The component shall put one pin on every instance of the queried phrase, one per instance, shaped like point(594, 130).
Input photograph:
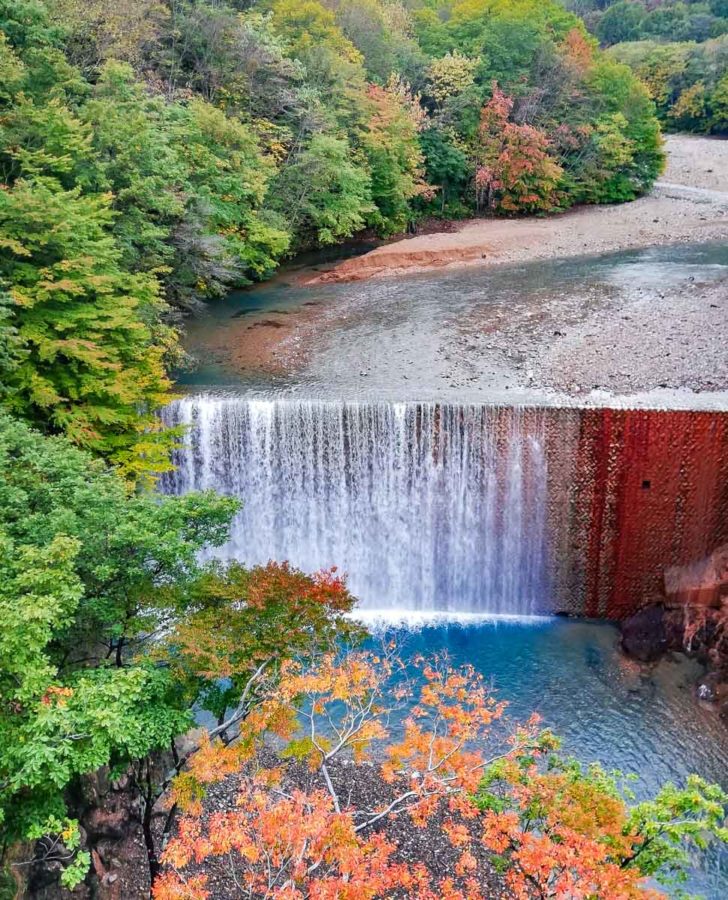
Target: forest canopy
point(678, 49)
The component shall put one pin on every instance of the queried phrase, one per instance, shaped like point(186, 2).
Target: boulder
point(643, 634)
point(107, 823)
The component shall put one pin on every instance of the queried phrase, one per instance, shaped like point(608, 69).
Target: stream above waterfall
point(636, 327)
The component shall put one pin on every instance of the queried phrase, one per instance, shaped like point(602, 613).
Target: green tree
point(333, 65)
point(621, 22)
point(620, 94)
point(682, 78)
point(228, 178)
point(325, 193)
point(719, 107)
point(138, 163)
point(446, 165)
point(390, 141)
point(113, 631)
point(364, 24)
point(84, 566)
point(93, 363)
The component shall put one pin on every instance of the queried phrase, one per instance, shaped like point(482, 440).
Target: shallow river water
point(501, 334)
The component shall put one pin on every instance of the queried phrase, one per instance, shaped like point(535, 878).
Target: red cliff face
point(647, 491)
point(701, 584)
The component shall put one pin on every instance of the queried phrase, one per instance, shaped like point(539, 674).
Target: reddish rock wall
point(648, 490)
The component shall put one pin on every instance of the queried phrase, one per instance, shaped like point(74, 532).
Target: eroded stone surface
point(702, 583)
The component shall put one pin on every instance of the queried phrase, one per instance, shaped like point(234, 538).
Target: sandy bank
point(690, 203)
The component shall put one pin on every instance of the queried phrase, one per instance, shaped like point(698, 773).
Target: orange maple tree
point(515, 171)
point(495, 790)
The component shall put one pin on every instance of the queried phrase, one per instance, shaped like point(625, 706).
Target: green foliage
point(87, 569)
point(621, 22)
point(382, 34)
point(685, 80)
point(227, 178)
point(67, 834)
point(446, 165)
point(323, 193)
point(91, 362)
point(113, 631)
point(677, 821)
point(618, 21)
point(679, 49)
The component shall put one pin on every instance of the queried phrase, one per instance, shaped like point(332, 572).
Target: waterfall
point(425, 506)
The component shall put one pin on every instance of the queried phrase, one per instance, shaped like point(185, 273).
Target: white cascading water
point(427, 507)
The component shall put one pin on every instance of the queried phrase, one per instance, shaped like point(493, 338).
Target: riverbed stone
point(643, 634)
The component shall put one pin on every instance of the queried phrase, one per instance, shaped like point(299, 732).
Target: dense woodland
point(155, 154)
point(678, 49)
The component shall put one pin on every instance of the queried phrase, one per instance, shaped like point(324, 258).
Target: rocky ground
point(364, 789)
point(693, 619)
point(689, 203)
point(582, 344)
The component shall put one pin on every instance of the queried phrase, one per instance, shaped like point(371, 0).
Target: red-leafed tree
point(514, 170)
point(495, 791)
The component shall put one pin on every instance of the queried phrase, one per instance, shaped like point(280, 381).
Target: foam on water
point(412, 620)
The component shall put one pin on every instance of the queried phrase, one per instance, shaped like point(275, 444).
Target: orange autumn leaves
point(457, 767)
point(515, 171)
point(286, 846)
point(250, 615)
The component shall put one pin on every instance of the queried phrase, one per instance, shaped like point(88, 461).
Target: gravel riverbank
point(688, 204)
point(576, 326)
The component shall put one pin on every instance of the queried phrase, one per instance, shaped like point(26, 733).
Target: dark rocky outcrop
point(110, 814)
point(643, 634)
point(693, 619)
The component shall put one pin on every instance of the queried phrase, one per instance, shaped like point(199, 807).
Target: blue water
point(605, 707)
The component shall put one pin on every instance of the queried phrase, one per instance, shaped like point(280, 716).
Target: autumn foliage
point(455, 763)
point(515, 172)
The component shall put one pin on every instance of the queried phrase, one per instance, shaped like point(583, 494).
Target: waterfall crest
point(427, 507)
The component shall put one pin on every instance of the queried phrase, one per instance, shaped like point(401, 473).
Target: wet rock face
point(698, 629)
point(703, 584)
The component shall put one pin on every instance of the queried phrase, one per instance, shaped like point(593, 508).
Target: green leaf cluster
point(679, 48)
point(688, 82)
point(115, 634)
point(88, 574)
